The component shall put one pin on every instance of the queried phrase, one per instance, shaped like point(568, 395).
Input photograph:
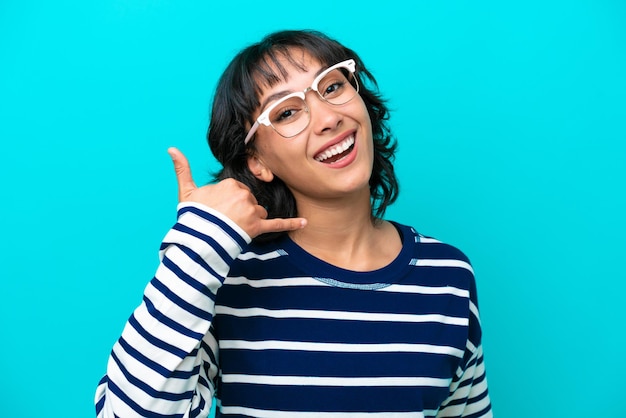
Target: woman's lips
point(335, 152)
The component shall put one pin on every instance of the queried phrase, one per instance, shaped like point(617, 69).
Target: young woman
point(282, 292)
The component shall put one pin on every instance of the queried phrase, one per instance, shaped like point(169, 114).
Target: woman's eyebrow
point(273, 97)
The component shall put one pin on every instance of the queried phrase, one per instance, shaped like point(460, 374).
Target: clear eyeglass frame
point(264, 117)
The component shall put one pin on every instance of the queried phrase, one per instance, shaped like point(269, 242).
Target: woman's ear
point(259, 169)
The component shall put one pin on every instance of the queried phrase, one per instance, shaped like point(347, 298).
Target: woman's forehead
point(281, 68)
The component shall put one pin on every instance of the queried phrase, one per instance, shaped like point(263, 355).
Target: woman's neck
point(346, 235)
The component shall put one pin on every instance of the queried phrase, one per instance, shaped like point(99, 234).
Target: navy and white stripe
point(289, 335)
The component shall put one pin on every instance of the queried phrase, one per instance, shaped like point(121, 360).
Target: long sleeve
point(469, 395)
point(163, 365)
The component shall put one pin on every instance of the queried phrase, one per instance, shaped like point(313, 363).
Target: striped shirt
point(291, 336)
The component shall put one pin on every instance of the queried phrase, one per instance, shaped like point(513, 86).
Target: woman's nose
point(324, 116)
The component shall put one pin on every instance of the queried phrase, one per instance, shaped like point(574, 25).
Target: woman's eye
point(333, 88)
point(284, 115)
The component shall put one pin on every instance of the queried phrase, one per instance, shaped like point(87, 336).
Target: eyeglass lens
point(291, 116)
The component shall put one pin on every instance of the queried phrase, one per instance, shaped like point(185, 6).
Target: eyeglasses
point(290, 115)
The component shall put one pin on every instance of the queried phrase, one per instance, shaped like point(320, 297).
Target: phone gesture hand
point(230, 197)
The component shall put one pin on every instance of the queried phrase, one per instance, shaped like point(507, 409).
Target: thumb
point(183, 173)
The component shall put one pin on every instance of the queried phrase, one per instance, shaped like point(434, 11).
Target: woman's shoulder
point(430, 247)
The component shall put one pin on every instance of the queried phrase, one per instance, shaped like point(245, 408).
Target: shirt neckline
point(340, 277)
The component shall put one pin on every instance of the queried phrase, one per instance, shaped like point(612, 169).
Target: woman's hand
point(230, 197)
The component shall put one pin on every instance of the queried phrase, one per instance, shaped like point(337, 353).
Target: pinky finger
point(283, 225)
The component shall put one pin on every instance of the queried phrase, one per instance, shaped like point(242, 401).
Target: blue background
point(511, 121)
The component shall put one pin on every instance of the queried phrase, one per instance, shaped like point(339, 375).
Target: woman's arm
point(163, 363)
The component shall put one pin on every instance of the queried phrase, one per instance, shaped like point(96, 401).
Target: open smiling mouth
point(337, 152)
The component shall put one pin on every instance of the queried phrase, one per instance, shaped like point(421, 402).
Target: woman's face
point(304, 162)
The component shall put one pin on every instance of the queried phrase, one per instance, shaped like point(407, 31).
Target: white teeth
point(336, 149)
